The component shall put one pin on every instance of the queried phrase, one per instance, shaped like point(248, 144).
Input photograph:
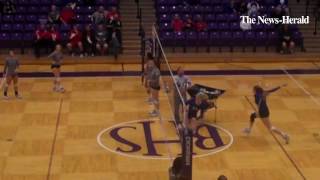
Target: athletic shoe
point(287, 138)
point(6, 97)
point(81, 55)
point(246, 131)
point(19, 96)
point(154, 113)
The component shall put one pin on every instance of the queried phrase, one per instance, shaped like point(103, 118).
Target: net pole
point(186, 135)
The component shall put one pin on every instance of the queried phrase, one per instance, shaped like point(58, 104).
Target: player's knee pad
point(273, 128)
point(253, 116)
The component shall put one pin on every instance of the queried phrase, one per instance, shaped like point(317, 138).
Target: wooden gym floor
point(48, 136)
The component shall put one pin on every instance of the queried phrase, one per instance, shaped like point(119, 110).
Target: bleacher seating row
point(17, 30)
point(223, 25)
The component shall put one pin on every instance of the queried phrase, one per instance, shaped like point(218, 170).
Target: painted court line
point(53, 147)
point(301, 87)
point(102, 145)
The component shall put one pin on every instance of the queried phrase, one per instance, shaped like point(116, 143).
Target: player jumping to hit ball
point(263, 111)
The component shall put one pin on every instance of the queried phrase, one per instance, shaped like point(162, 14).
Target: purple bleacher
point(4, 37)
point(19, 18)
point(33, 10)
point(197, 9)
point(223, 23)
point(210, 17)
point(165, 27)
point(191, 38)
point(235, 26)
point(179, 38)
point(16, 36)
point(7, 18)
point(21, 10)
point(223, 26)
point(165, 18)
point(5, 27)
point(17, 28)
point(45, 2)
point(258, 27)
point(212, 26)
point(186, 16)
point(221, 17)
point(112, 2)
point(250, 38)
point(30, 27)
point(237, 38)
point(273, 38)
point(166, 38)
point(205, 2)
point(261, 38)
point(28, 36)
point(202, 38)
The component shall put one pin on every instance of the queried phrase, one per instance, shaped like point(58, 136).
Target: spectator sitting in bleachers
point(9, 7)
point(55, 37)
point(240, 6)
point(113, 14)
point(278, 12)
point(117, 29)
point(177, 24)
point(67, 14)
point(99, 17)
point(287, 40)
point(88, 41)
point(113, 24)
point(253, 9)
point(54, 15)
point(101, 39)
point(189, 25)
point(42, 40)
point(115, 45)
point(75, 38)
point(200, 24)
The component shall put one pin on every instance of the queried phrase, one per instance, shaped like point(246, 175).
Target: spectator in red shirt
point(113, 14)
point(75, 41)
point(189, 25)
point(42, 40)
point(55, 37)
point(68, 15)
point(177, 24)
point(200, 25)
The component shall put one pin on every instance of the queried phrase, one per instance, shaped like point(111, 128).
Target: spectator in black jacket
point(287, 40)
point(88, 41)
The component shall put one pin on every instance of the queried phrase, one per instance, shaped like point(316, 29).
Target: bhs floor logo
point(147, 139)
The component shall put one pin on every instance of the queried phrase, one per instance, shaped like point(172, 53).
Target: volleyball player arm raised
point(267, 92)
